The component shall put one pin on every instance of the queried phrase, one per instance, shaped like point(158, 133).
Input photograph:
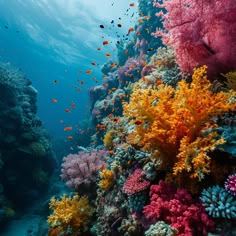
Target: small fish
point(105, 84)
point(119, 25)
point(105, 42)
point(131, 4)
point(130, 30)
point(82, 82)
point(67, 110)
point(113, 65)
point(126, 51)
point(68, 128)
point(111, 152)
point(150, 49)
point(159, 82)
point(88, 71)
point(102, 26)
point(138, 122)
point(93, 63)
point(70, 137)
point(55, 81)
point(98, 49)
point(54, 100)
point(102, 167)
point(107, 54)
point(116, 119)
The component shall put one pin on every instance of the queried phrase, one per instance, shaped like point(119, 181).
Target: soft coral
point(201, 33)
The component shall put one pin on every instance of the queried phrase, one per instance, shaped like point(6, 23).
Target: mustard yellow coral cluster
point(70, 212)
point(172, 120)
point(107, 179)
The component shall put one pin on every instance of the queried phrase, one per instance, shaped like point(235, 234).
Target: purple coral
point(135, 183)
point(201, 32)
point(230, 184)
point(81, 168)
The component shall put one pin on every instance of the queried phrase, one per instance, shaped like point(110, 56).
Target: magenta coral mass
point(230, 184)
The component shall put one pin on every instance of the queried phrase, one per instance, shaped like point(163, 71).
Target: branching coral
point(169, 119)
point(70, 213)
point(177, 208)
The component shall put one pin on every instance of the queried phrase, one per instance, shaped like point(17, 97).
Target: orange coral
point(169, 118)
point(69, 213)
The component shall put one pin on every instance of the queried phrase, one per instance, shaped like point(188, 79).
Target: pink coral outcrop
point(135, 183)
point(201, 33)
point(81, 168)
point(177, 208)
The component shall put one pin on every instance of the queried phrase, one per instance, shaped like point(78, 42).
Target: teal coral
point(219, 203)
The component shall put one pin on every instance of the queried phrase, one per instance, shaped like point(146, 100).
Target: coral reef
point(26, 157)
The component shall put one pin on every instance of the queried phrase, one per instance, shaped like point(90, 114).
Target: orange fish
point(159, 82)
point(98, 49)
point(107, 54)
point(105, 84)
point(112, 89)
point(131, 4)
point(144, 79)
point(102, 167)
point(68, 128)
point(93, 63)
point(111, 152)
point(130, 30)
point(88, 71)
point(126, 51)
point(67, 110)
point(105, 42)
point(113, 65)
point(70, 137)
point(54, 100)
point(116, 119)
point(138, 122)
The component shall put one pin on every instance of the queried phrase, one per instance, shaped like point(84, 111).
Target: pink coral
point(201, 33)
point(177, 208)
point(230, 184)
point(135, 183)
point(81, 168)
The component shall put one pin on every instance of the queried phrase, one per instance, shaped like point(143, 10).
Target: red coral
point(177, 208)
point(201, 33)
point(135, 183)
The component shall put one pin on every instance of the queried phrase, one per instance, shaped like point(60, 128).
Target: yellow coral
point(70, 212)
point(193, 156)
point(107, 179)
point(108, 139)
point(231, 79)
point(166, 117)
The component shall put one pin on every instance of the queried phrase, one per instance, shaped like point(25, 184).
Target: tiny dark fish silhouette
point(102, 26)
point(6, 27)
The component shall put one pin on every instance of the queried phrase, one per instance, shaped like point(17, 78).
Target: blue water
point(52, 40)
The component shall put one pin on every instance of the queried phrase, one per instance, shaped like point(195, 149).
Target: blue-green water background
point(53, 40)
